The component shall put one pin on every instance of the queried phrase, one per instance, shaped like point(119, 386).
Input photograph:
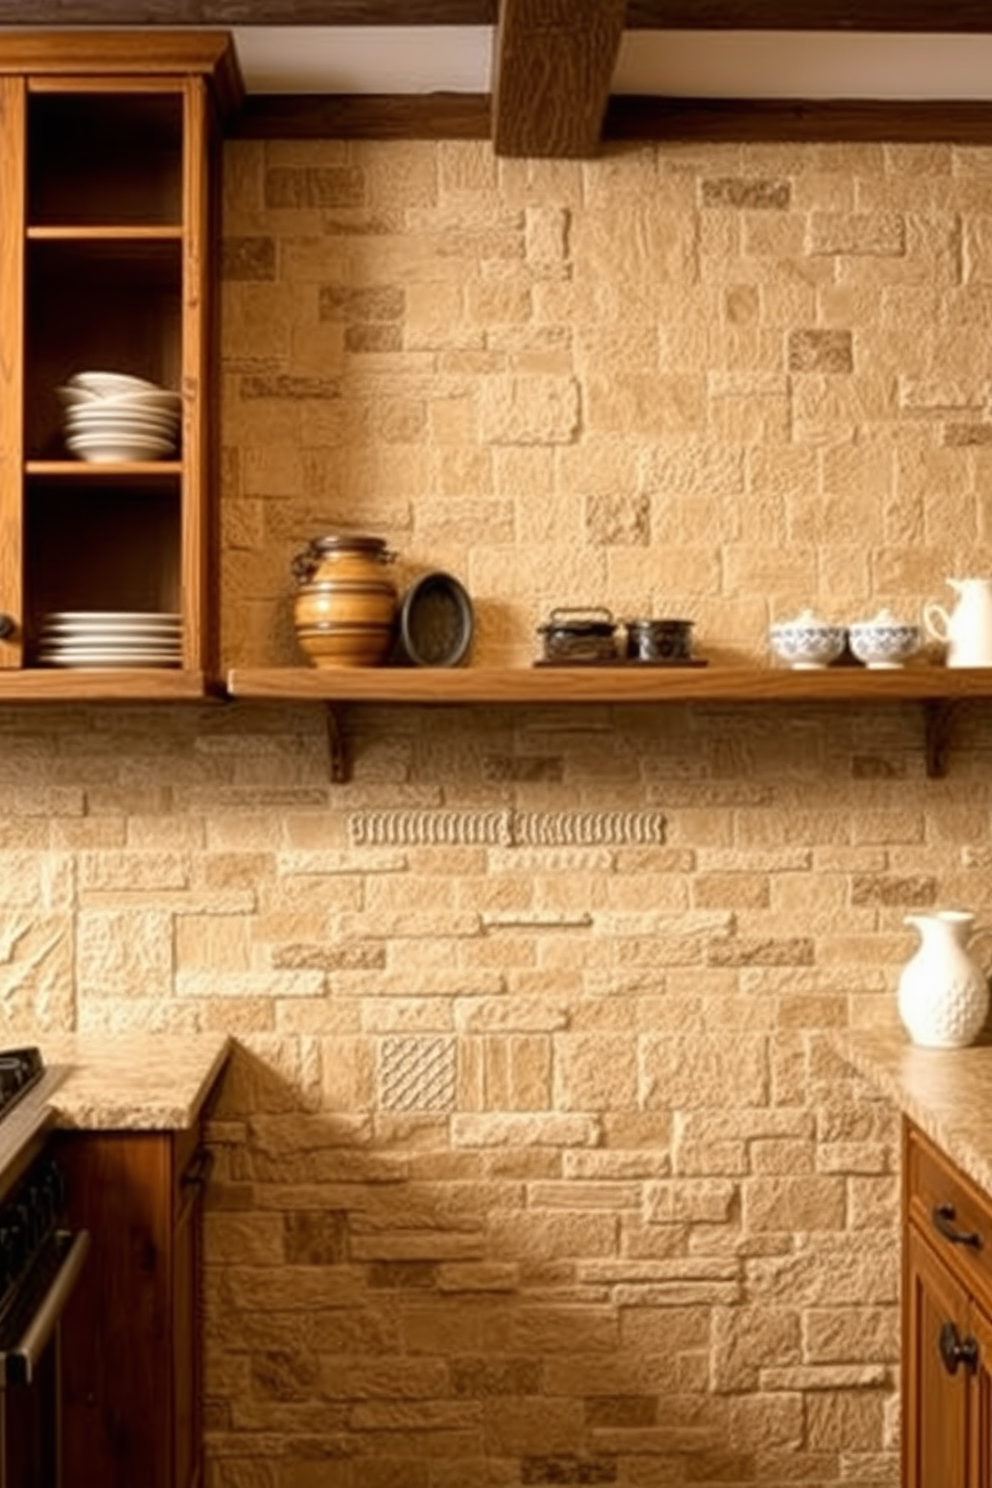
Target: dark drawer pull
point(955, 1350)
point(943, 1218)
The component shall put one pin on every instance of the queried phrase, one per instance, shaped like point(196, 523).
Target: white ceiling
point(719, 64)
point(675, 64)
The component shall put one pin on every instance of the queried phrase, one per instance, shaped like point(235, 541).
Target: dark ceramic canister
point(579, 635)
point(659, 640)
point(436, 622)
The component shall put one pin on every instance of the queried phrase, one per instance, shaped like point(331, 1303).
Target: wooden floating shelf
point(599, 684)
point(938, 689)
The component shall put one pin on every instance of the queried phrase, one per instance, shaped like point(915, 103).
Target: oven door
point(30, 1387)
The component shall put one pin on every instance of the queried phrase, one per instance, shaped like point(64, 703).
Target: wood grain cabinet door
point(980, 1414)
point(938, 1377)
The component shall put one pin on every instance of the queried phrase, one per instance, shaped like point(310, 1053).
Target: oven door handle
point(20, 1362)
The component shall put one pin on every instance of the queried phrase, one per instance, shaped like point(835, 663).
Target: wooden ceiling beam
point(126, 13)
point(553, 65)
point(936, 16)
point(375, 116)
point(752, 120)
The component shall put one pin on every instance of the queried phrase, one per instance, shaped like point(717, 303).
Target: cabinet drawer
point(951, 1211)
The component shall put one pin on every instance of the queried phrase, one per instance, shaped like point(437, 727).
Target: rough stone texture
point(645, 1235)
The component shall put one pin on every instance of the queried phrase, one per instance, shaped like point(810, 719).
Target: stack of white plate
point(111, 416)
point(110, 638)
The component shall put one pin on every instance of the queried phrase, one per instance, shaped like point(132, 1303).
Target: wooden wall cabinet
point(131, 1336)
point(947, 1322)
point(109, 147)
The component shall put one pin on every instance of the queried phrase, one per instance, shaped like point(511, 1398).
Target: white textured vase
point(943, 993)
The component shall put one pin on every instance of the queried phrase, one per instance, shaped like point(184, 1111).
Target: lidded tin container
point(345, 606)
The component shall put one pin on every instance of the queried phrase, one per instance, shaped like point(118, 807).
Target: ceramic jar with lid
point(345, 607)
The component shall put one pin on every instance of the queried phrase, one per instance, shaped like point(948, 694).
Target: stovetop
point(19, 1070)
point(26, 1114)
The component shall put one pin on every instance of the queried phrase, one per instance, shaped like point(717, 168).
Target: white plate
point(122, 648)
point(114, 617)
point(121, 453)
point(111, 635)
point(113, 382)
point(102, 421)
point(117, 648)
point(162, 399)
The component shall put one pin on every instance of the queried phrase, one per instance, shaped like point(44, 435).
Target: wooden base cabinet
point(131, 1343)
point(947, 1323)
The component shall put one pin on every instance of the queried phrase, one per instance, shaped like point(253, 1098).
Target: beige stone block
point(533, 1239)
point(791, 1204)
point(348, 1080)
point(772, 234)
point(874, 1203)
point(644, 248)
point(576, 1195)
point(655, 405)
point(515, 1130)
point(704, 1070)
point(518, 1427)
point(245, 1239)
point(730, 891)
point(878, 234)
point(765, 1422)
point(465, 165)
point(122, 953)
point(408, 171)
point(696, 468)
point(856, 1335)
point(977, 249)
point(529, 410)
point(517, 1073)
point(745, 1340)
point(691, 1201)
point(830, 1270)
point(211, 943)
point(845, 1420)
point(36, 974)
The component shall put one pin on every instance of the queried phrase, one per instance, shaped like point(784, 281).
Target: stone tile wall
point(534, 1164)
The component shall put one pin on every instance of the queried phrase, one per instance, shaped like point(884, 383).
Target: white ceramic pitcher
point(967, 631)
point(943, 994)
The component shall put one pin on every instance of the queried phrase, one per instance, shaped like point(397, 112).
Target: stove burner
point(19, 1070)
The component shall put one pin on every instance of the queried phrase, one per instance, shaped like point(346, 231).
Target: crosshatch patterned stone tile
point(417, 1074)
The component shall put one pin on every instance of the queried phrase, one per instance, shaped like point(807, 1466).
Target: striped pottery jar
point(345, 607)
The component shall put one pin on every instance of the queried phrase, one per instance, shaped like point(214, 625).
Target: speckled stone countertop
point(146, 1082)
point(946, 1092)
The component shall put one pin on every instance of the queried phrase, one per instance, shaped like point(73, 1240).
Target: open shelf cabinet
point(109, 154)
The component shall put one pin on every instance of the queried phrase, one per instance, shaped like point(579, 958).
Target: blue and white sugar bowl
point(807, 642)
point(884, 642)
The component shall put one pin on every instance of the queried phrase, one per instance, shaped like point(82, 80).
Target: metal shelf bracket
point(938, 719)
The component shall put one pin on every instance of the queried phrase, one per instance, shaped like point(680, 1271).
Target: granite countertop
point(946, 1092)
point(145, 1082)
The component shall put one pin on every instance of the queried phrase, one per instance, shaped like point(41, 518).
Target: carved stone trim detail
point(506, 828)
